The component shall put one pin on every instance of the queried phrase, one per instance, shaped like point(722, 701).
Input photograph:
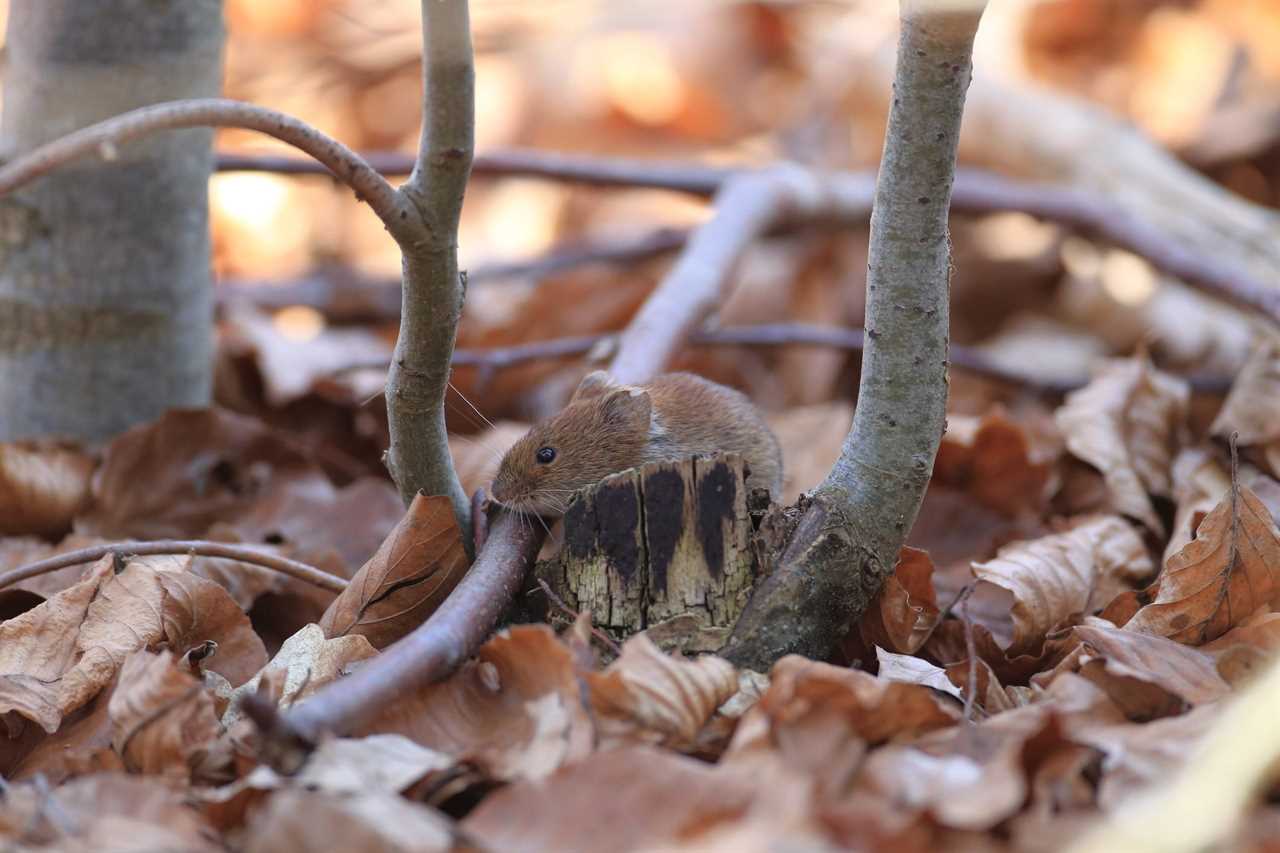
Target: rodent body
point(608, 427)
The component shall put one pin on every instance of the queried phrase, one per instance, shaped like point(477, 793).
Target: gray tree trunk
point(106, 304)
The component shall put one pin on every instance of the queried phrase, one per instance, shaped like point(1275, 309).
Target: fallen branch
point(436, 648)
point(239, 553)
point(975, 192)
point(103, 138)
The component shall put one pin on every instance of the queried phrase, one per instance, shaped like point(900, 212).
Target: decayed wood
point(666, 547)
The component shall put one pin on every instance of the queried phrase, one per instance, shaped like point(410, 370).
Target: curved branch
point(239, 553)
point(847, 541)
point(432, 293)
point(434, 649)
point(101, 139)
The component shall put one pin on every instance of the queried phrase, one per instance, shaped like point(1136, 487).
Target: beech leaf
point(162, 718)
point(905, 611)
point(1128, 423)
point(1220, 578)
point(42, 487)
point(651, 696)
point(409, 576)
point(1065, 575)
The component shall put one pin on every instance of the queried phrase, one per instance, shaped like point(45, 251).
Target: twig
point(431, 304)
point(603, 638)
point(103, 138)
point(970, 649)
point(239, 553)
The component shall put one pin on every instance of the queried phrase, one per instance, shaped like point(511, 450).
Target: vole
point(608, 427)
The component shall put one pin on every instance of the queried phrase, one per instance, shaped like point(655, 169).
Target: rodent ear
point(628, 407)
point(595, 384)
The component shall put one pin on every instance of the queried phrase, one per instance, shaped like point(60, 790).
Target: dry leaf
point(1128, 422)
point(626, 799)
point(1199, 482)
point(411, 574)
point(200, 466)
point(104, 812)
point(306, 662)
point(42, 487)
point(1218, 580)
point(992, 460)
point(162, 718)
point(301, 820)
point(913, 670)
point(905, 611)
point(1147, 677)
point(1252, 409)
point(648, 696)
point(515, 710)
point(56, 657)
point(1066, 575)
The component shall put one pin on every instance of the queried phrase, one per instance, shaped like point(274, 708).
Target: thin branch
point(239, 553)
point(103, 138)
point(431, 301)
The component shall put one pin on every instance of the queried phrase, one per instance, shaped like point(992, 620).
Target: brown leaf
point(1198, 484)
point(162, 718)
point(818, 720)
point(1139, 754)
point(42, 487)
point(1128, 423)
point(626, 799)
point(1252, 409)
point(80, 746)
point(913, 670)
point(1147, 677)
point(515, 711)
point(104, 811)
point(1230, 570)
point(648, 696)
point(56, 657)
point(409, 576)
point(306, 662)
point(992, 460)
point(905, 611)
point(967, 778)
point(200, 466)
point(1060, 577)
point(301, 820)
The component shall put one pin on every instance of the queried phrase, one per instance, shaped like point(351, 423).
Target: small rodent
point(608, 427)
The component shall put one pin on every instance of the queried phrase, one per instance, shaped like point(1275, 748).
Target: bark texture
point(665, 548)
point(431, 300)
point(106, 315)
point(848, 538)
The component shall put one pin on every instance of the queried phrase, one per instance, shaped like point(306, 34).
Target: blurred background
point(308, 278)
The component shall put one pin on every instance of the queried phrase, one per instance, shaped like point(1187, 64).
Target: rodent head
point(603, 430)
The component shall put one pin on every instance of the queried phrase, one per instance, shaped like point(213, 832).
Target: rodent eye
point(545, 455)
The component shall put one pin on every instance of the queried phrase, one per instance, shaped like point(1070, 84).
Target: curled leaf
point(905, 611)
point(42, 487)
point(1066, 575)
point(650, 696)
point(1128, 423)
point(1252, 409)
point(162, 718)
point(409, 576)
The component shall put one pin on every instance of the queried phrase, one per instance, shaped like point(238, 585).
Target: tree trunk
point(106, 315)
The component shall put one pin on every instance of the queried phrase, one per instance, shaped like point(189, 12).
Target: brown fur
point(607, 427)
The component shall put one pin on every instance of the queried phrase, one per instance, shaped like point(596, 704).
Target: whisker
point(480, 415)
